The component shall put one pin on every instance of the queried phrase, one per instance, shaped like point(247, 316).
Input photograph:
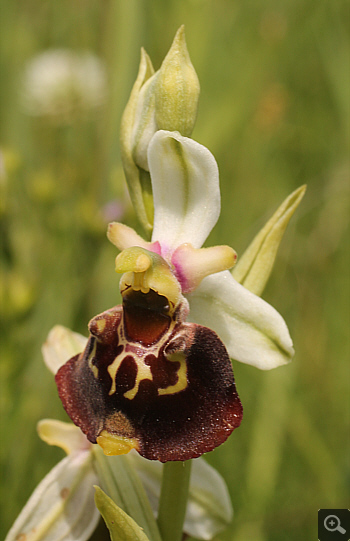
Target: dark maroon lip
point(171, 389)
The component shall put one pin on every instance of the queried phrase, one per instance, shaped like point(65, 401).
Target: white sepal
point(62, 506)
point(210, 509)
point(186, 194)
point(61, 344)
point(251, 329)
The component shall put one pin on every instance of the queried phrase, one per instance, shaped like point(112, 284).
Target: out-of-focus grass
point(274, 112)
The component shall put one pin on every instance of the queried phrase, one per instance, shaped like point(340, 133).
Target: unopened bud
point(177, 89)
point(165, 100)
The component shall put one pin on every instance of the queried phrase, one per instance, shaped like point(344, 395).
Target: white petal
point(61, 344)
point(194, 264)
point(62, 506)
point(252, 330)
point(209, 508)
point(185, 182)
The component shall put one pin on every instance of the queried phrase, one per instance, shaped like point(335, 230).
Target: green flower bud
point(165, 100)
point(177, 89)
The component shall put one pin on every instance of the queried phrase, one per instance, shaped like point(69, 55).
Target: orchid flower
point(148, 379)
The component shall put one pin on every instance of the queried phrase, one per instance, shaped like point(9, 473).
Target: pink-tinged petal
point(124, 237)
point(194, 264)
point(185, 183)
point(165, 388)
point(252, 330)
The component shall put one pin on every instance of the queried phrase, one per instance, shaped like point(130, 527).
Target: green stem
point(173, 499)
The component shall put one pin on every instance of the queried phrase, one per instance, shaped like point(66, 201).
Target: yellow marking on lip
point(92, 367)
point(143, 372)
point(112, 371)
point(112, 444)
point(101, 324)
point(181, 383)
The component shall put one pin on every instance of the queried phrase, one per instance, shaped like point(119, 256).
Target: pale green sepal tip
point(253, 269)
point(132, 172)
point(120, 525)
point(177, 89)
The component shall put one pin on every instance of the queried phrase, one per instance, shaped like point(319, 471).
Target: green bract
point(121, 526)
point(255, 265)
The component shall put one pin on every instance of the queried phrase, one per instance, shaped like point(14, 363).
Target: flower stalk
point(173, 499)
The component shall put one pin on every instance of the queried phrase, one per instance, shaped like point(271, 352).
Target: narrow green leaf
point(120, 525)
point(120, 480)
point(254, 267)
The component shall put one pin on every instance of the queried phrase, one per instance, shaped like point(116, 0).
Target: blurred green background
point(274, 111)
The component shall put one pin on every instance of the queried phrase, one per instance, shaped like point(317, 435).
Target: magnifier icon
point(332, 524)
